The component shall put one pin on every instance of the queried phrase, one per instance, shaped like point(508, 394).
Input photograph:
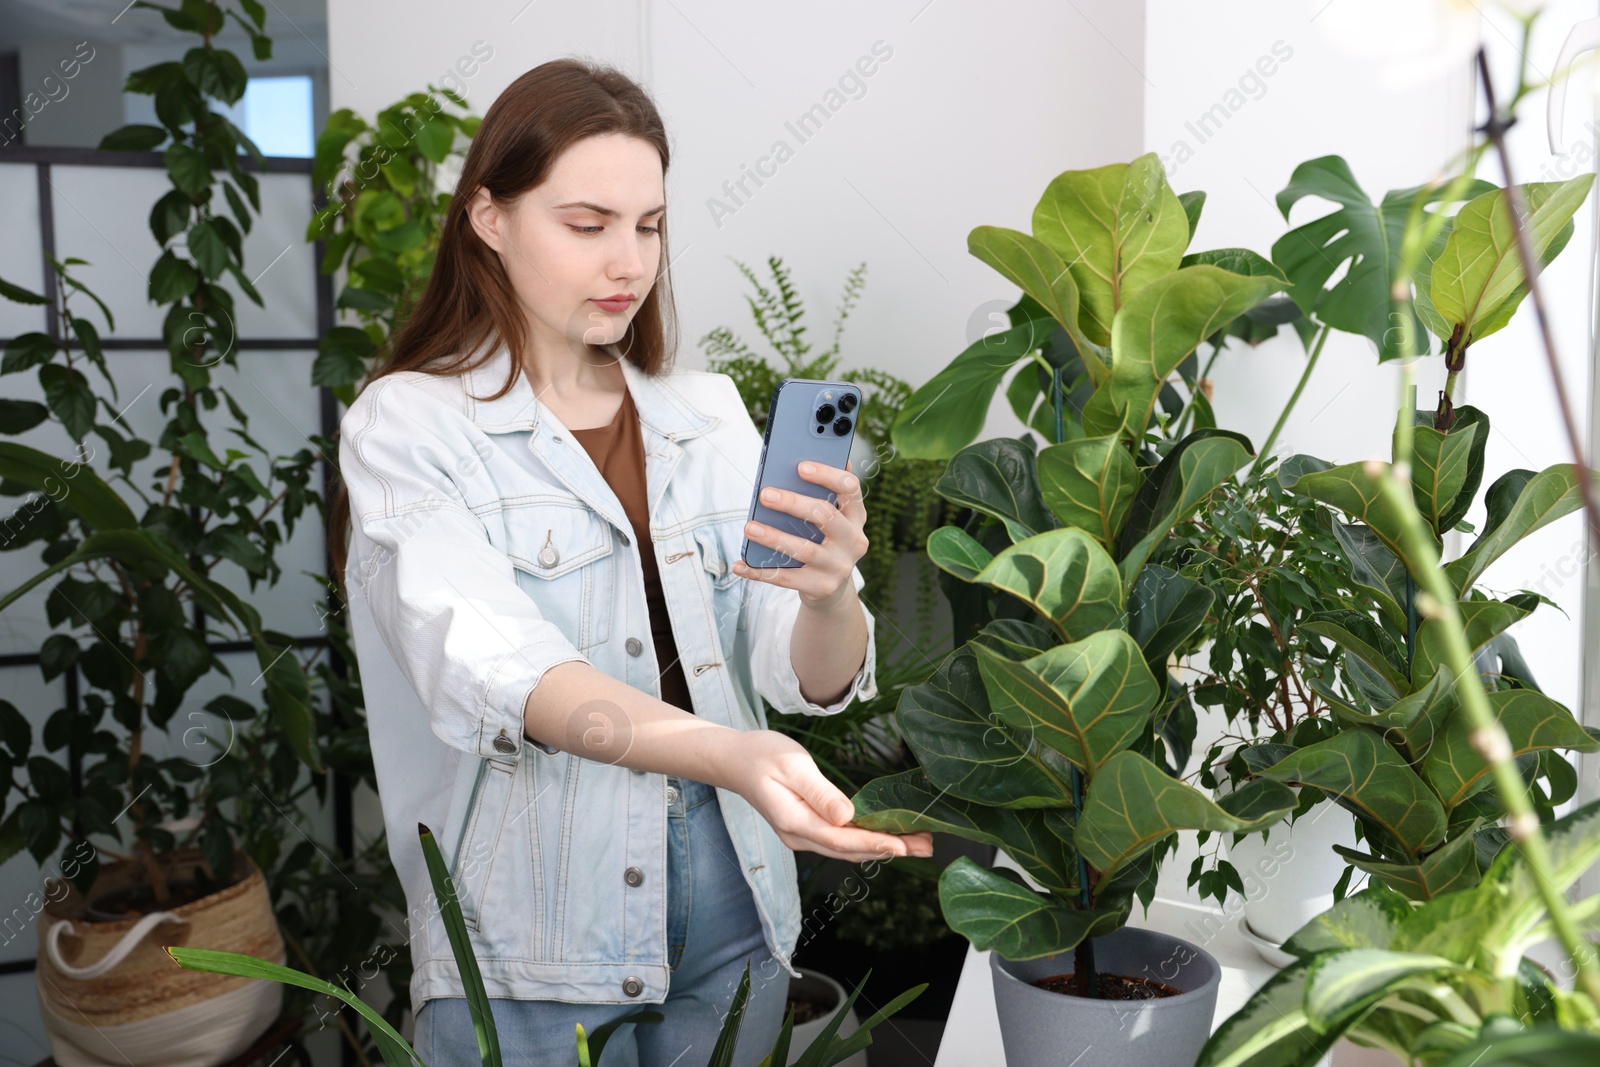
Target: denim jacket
point(487, 548)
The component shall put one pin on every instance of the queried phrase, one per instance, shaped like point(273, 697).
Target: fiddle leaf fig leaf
point(1364, 774)
point(1155, 330)
point(1519, 502)
point(1359, 636)
point(1175, 488)
point(1132, 804)
point(966, 751)
point(1040, 841)
point(1164, 608)
point(1532, 722)
point(1449, 868)
point(999, 477)
point(1038, 271)
point(1087, 700)
point(1117, 228)
point(957, 552)
point(946, 412)
point(1353, 491)
point(1480, 271)
point(1374, 568)
point(1483, 619)
point(1065, 575)
point(996, 910)
point(1089, 483)
point(1440, 463)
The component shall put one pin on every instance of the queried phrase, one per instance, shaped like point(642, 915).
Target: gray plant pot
point(1042, 1028)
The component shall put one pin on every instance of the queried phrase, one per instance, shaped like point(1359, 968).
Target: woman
point(563, 659)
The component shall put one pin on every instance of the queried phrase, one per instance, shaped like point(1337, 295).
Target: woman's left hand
point(824, 576)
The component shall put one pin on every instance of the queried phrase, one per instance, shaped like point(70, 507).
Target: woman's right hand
point(781, 781)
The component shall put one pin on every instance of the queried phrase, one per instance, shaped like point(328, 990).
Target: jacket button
point(626, 540)
point(632, 986)
point(672, 795)
point(633, 646)
point(633, 876)
point(504, 744)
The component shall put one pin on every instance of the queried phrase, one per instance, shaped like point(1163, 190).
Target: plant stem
point(1488, 736)
point(1294, 398)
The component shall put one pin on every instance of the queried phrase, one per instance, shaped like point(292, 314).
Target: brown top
point(618, 451)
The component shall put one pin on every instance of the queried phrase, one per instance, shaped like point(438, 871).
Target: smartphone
point(807, 419)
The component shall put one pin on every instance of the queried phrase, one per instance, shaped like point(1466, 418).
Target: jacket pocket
point(479, 850)
point(565, 558)
point(718, 544)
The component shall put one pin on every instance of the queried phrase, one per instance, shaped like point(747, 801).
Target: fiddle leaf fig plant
point(1056, 731)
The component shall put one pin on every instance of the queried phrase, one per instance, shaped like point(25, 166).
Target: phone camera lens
point(847, 403)
point(824, 413)
point(841, 425)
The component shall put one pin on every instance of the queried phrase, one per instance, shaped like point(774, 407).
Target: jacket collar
point(661, 407)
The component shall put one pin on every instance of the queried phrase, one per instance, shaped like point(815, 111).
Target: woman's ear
point(485, 216)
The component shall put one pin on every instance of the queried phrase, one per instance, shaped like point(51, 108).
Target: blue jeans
point(713, 929)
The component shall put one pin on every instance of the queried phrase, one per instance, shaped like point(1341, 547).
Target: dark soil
point(806, 1009)
point(137, 901)
point(1112, 987)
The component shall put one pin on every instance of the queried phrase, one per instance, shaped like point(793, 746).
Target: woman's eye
point(649, 229)
point(587, 229)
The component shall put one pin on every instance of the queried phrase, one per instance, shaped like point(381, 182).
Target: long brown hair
point(468, 308)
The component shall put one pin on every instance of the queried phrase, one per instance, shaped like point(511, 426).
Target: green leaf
point(1271, 1030)
point(1087, 700)
point(1066, 575)
point(945, 413)
point(1465, 416)
point(1164, 609)
point(1449, 868)
point(1547, 1045)
point(1118, 228)
point(1519, 503)
point(1440, 463)
point(1374, 568)
point(998, 477)
point(1350, 489)
point(1368, 919)
point(1038, 271)
point(1480, 270)
point(1175, 489)
point(957, 552)
point(1089, 483)
point(133, 138)
point(210, 251)
point(997, 911)
point(1482, 620)
point(20, 416)
point(29, 350)
point(69, 397)
point(1343, 984)
point(1356, 633)
point(1194, 203)
point(1132, 804)
point(172, 279)
point(88, 497)
point(1366, 776)
point(1365, 235)
point(1533, 723)
point(18, 295)
point(461, 946)
point(189, 170)
point(1155, 329)
point(1039, 840)
point(966, 751)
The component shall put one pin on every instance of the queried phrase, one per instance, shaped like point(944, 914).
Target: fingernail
point(806, 467)
point(769, 494)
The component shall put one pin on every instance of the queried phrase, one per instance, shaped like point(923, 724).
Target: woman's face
point(590, 231)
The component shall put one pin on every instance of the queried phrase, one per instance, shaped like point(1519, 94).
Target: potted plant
point(134, 600)
point(1046, 733)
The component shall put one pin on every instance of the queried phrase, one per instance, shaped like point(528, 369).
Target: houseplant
point(1047, 734)
point(826, 1049)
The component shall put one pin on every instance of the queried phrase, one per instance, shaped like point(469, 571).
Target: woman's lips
point(615, 305)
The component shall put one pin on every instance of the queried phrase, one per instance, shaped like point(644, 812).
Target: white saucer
point(1267, 950)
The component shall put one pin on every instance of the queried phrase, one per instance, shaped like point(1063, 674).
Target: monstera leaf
point(1132, 804)
point(995, 909)
point(1086, 700)
point(1089, 483)
point(1118, 228)
point(1066, 576)
point(1363, 234)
